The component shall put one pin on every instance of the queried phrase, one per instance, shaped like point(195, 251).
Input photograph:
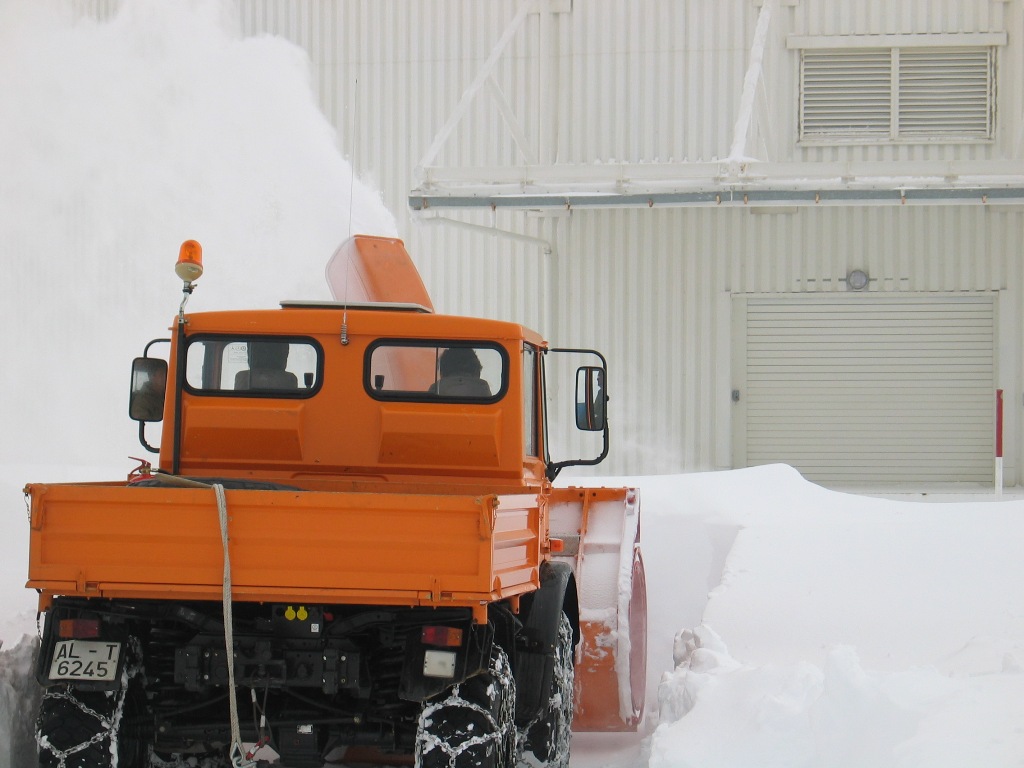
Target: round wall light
point(857, 280)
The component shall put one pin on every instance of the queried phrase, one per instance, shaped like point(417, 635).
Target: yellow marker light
point(289, 613)
point(302, 613)
point(190, 261)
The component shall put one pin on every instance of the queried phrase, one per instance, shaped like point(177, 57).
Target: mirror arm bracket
point(142, 438)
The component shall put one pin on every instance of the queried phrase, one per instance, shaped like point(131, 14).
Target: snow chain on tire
point(107, 726)
point(499, 727)
point(546, 738)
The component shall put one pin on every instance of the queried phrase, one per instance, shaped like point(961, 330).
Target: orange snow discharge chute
point(378, 269)
point(368, 268)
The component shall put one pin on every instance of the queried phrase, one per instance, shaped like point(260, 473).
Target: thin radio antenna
point(351, 205)
point(352, 162)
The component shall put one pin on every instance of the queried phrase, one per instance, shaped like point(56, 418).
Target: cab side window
point(436, 371)
point(268, 366)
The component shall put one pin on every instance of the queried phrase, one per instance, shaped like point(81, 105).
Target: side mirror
point(590, 399)
point(149, 385)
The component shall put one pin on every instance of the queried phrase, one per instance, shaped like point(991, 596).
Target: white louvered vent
point(891, 94)
point(945, 93)
point(846, 93)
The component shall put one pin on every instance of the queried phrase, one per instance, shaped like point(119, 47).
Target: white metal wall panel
point(649, 81)
point(870, 389)
point(926, 249)
point(651, 288)
point(632, 284)
point(101, 10)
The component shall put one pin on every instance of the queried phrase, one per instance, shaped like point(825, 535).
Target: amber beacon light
point(190, 261)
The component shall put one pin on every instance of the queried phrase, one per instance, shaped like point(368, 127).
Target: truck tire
point(474, 724)
point(547, 738)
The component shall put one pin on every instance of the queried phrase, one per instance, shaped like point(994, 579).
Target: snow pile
point(789, 715)
point(843, 630)
point(19, 700)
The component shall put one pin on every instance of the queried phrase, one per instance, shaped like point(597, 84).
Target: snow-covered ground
point(789, 625)
point(796, 626)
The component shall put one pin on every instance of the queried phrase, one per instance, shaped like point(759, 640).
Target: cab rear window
point(253, 366)
point(436, 371)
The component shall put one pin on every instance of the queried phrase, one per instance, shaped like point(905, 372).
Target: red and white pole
point(999, 442)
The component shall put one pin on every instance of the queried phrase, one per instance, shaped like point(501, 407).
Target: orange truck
point(350, 548)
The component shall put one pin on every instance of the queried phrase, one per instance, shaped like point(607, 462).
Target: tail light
point(441, 637)
point(79, 629)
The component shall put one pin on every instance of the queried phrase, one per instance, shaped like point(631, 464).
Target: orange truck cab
point(350, 546)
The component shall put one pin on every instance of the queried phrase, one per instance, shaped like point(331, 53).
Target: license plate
point(84, 660)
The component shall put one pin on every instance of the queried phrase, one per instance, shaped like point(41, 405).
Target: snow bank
point(19, 700)
point(844, 630)
point(785, 715)
point(716, 711)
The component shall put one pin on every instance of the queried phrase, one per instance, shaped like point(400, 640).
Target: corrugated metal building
point(794, 226)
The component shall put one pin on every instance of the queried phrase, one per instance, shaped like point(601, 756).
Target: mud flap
point(471, 659)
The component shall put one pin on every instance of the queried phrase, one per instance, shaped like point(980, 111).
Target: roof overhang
point(718, 184)
point(421, 201)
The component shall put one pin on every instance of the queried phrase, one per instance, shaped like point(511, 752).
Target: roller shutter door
point(867, 389)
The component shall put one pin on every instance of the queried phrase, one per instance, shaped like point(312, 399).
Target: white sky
point(835, 630)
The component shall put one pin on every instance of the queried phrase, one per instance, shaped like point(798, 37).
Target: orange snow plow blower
point(600, 528)
point(350, 547)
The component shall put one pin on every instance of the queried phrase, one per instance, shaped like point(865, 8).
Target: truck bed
point(121, 541)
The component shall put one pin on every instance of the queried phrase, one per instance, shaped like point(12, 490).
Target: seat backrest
point(267, 361)
point(463, 386)
point(266, 378)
